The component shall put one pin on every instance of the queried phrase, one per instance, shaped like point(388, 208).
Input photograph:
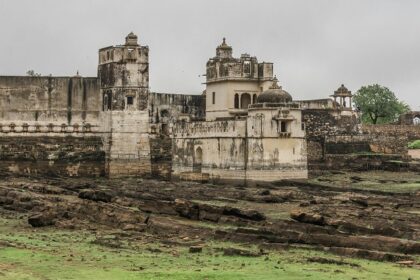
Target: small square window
point(130, 100)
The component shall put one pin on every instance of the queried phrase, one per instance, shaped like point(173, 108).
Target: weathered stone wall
point(167, 107)
point(127, 143)
point(410, 118)
point(243, 149)
point(321, 123)
point(57, 100)
point(361, 162)
point(161, 157)
point(411, 132)
point(366, 143)
point(336, 141)
point(59, 154)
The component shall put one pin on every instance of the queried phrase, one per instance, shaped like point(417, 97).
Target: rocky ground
point(372, 216)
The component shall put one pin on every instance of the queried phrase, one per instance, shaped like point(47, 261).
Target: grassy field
point(373, 180)
point(48, 253)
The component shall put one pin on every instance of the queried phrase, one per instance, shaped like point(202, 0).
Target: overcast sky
point(315, 45)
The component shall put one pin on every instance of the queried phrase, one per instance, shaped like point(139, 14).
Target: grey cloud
point(315, 45)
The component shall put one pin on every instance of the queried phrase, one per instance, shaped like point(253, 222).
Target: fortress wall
point(127, 144)
point(367, 143)
point(339, 142)
point(223, 150)
point(61, 154)
point(161, 157)
point(323, 123)
point(167, 107)
point(43, 100)
point(222, 153)
point(412, 132)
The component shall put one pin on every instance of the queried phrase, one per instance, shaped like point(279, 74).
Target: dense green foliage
point(378, 104)
point(414, 145)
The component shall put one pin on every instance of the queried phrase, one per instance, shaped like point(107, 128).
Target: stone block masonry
point(62, 155)
point(127, 144)
point(161, 157)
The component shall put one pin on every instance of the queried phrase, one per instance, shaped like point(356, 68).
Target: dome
point(275, 94)
point(224, 45)
point(342, 91)
point(131, 39)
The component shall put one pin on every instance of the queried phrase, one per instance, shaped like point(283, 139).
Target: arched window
point(236, 102)
point(105, 106)
point(416, 120)
point(245, 100)
point(198, 160)
point(107, 101)
point(254, 99)
point(164, 113)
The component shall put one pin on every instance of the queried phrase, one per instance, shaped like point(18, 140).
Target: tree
point(32, 73)
point(378, 104)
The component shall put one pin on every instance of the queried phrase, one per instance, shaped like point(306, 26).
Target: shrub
point(414, 145)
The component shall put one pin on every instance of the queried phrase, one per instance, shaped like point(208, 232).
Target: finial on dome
point(131, 39)
point(224, 50)
point(275, 84)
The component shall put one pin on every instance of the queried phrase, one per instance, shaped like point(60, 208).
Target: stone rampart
point(412, 132)
point(49, 99)
point(53, 154)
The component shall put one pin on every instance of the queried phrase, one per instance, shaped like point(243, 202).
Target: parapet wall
point(210, 129)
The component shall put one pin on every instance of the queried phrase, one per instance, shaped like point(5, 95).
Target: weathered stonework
point(252, 148)
point(63, 155)
point(243, 127)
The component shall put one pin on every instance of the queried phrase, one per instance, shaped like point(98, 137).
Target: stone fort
point(244, 126)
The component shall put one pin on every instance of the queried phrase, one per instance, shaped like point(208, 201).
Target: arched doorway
point(198, 160)
point(245, 100)
point(416, 120)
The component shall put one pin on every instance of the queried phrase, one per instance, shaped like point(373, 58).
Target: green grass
point(388, 187)
point(397, 182)
point(414, 145)
point(49, 253)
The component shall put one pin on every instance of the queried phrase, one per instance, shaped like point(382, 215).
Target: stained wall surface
point(57, 100)
point(168, 107)
point(52, 154)
point(251, 148)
